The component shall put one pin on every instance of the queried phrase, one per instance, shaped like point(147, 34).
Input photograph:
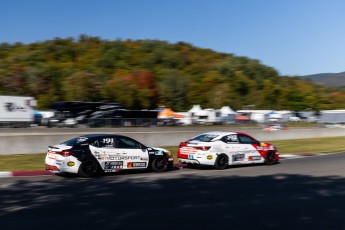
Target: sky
point(295, 37)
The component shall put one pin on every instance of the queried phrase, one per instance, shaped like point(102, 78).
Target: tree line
point(146, 74)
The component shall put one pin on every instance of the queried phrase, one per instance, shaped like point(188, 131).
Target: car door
point(249, 149)
point(133, 154)
point(234, 149)
point(108, 156)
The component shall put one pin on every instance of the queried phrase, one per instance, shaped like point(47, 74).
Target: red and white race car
point(221, 149)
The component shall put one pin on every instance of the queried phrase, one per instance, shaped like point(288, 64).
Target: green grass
point(22, 162)
point(298, 146)
point(312, 145)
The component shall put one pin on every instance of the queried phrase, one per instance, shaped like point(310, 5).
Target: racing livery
point(92, 154)
point(221, 149)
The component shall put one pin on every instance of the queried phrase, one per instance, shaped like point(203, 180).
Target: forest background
point(147, 74)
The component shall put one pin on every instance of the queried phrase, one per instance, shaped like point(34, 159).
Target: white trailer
point(16, 111)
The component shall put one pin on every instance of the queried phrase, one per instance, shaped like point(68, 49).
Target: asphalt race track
point(302, 193)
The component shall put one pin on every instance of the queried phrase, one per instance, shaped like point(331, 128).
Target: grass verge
point(297, 146)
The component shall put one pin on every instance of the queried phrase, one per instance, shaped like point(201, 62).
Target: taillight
point(183, 144)
point(65, 153)
point(52, 168)
point(203, 148)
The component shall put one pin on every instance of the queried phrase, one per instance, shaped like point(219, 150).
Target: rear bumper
point(188, 161)
point(52, 168)
point(62, 164)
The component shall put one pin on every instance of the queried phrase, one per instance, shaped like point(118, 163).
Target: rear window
point(75, 141)
point(205, 137)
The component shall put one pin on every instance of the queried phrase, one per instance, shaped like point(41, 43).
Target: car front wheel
point(160, 164)
point(270, 158)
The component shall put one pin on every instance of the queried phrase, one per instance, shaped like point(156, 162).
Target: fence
point(119, 122)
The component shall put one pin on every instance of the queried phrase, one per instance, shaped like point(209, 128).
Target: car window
point(204, 137)
point(103, 142)
point(75, 141)
point(246, 139)
point(126, 143)
point(95, 143)
point(230, 139)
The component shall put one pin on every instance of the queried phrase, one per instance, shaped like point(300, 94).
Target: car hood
point(160, 149)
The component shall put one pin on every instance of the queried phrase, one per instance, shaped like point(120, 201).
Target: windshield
point(205, 137)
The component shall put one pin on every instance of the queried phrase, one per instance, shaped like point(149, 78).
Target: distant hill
point(327, 79)
point(148, 74)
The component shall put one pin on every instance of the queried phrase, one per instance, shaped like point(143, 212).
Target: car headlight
point(169, 154)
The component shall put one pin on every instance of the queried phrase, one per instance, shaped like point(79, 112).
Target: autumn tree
point(174, 90)
point(82, 86)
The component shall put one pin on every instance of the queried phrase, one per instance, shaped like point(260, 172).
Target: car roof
point(95, 135)
point(220, 133)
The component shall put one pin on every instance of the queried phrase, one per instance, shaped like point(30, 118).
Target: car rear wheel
point(160, 164)
point(88, 168)
point(270, 158)
point(222, 162)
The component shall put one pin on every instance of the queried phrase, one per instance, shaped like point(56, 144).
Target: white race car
point(221, 149)
point(92, 154)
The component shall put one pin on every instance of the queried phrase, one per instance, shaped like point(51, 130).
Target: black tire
point(222, 162)
point(270, 158)
point(88, 168)
point(160, 164)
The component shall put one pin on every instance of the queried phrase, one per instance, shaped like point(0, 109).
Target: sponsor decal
point(191, 157)
point(209, 157)
point(254, 158)
point(70, 163)
point(247, 152)
point(101, 156)
point(265, 147)
point(113, 170)
point(139, 164)
point(136, 165)
point(117, 158)
point(151, 150)
point(59, 162)
point(51, 155)
point(231, 138)
point(187, 150)
point(158, 153)
point(238, 157)
point(81, 139)
point(113, 165)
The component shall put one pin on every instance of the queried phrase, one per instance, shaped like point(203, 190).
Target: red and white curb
point(290, 156)
point(25, 173)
